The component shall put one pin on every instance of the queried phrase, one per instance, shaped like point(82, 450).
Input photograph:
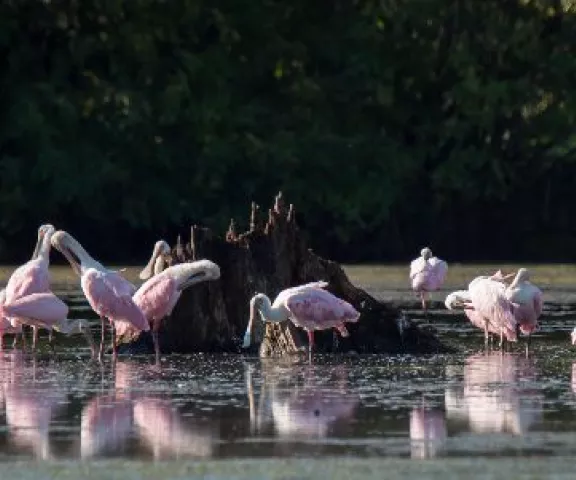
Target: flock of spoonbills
point(490, 303)
point(500, 304)
point(28, 300)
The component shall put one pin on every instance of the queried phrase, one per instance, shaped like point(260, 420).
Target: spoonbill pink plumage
point(307, 306)
point(107, 292)
point(158, 296)
point(427, 274)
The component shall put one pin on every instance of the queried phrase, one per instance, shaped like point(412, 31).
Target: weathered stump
point(268, 258)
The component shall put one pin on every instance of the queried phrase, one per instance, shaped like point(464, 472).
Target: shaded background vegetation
point(389, 124)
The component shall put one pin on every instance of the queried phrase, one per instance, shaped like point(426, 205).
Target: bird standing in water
point(32, 277)
point(527, 300)
point(487, 307)
point(308, 306)
point(158, 296)
point(108, 293)
point(427, 274)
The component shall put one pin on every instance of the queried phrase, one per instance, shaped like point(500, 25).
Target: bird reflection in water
point(301, 400)
point(30, 402)
point(128, 415)
point(163, 429)
point(573, 381)
point(106, 421)
point(493, 399)
point(427, 432)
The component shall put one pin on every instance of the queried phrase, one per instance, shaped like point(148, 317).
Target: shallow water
point(450, 410)
point(477, 403)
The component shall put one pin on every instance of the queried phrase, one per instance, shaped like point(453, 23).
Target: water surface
point(476, 405)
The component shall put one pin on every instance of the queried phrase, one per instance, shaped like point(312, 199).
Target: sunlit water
point(64, 406)
point(474, 405)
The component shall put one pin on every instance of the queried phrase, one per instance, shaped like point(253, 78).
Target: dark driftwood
point(271, 256)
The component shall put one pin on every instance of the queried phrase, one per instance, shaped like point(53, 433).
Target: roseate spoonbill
point(307, 306)
point(527, 300)
point(460, 300)
point(33, 276)
point(158, 296)
point(5, 325)
point(485, 304)
point(47, 311)
point(107, 292)
point(159, 258)
point(427, 274)
point(488, 297)
point(39, 309)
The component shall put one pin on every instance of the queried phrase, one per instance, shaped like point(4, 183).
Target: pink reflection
point(297, 408)
point(163, 429)
point(105, 425)
point(128, 412)
point(427, 432)
point(107, 420)
point(493, 399)
point(30, 404)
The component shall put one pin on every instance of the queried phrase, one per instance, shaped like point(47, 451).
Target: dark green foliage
point(389, 124)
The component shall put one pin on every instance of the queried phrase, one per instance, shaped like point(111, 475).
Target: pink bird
point(158, 296)
point(427, 274)
point(158, 260)
point(308, 306)
point(5, 325)
point(487, 306)
point(33, 276)
point(460, 300)
point(527, 300)
point(107, 292)
point(38, 309)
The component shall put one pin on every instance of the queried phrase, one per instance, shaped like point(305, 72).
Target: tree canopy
point(390, 124)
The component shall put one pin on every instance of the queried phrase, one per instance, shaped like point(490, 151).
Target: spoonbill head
point(74, 252)
point(160, 255)
point(44, 230)
point(457, 300)
point(522, 275)
point(190, 273)
point(426, 253)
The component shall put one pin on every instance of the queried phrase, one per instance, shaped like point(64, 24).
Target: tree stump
point(269, 257)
